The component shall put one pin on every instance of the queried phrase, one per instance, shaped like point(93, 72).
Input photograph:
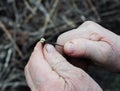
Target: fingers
point(62, 76)
point(83, 31)
point(56, 60)
point(94, 50)
point(39, 69)
point(70, 73)
point(29, 79)
point(70, 35)
point(93, 40)
point(86, 30)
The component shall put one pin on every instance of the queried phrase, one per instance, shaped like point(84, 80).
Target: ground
point(24, 22)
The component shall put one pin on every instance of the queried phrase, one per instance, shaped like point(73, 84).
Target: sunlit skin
point(48, 70)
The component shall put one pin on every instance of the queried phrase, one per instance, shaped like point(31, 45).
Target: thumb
point(57, 62)
point(95, 50)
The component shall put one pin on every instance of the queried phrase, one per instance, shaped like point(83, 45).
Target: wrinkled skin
point(94, 42)
point(48, 70)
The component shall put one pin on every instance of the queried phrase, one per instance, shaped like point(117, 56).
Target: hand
point(92, 41)
point(48, 70)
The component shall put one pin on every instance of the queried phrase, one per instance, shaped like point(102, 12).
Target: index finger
point(38, 67)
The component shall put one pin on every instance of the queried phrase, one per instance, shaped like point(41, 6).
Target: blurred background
point(24, 22)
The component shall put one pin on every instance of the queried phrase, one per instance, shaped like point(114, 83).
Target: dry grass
point(23, 22)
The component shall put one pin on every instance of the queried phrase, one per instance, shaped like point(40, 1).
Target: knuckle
point(59, 38)
point(92, 26)
point(88, 23)
point(59, 65)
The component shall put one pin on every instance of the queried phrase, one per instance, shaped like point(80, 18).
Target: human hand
point(48, 70)
point(92, 41)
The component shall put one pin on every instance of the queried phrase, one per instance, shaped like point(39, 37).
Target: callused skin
point(48, 70)
point(92, 41)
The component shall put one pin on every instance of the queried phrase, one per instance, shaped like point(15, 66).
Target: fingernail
point(70, 46)
point(50, 48)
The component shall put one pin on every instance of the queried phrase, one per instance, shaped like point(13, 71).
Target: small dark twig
point(55, 44)
point(43, 41)
point(11, 39)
